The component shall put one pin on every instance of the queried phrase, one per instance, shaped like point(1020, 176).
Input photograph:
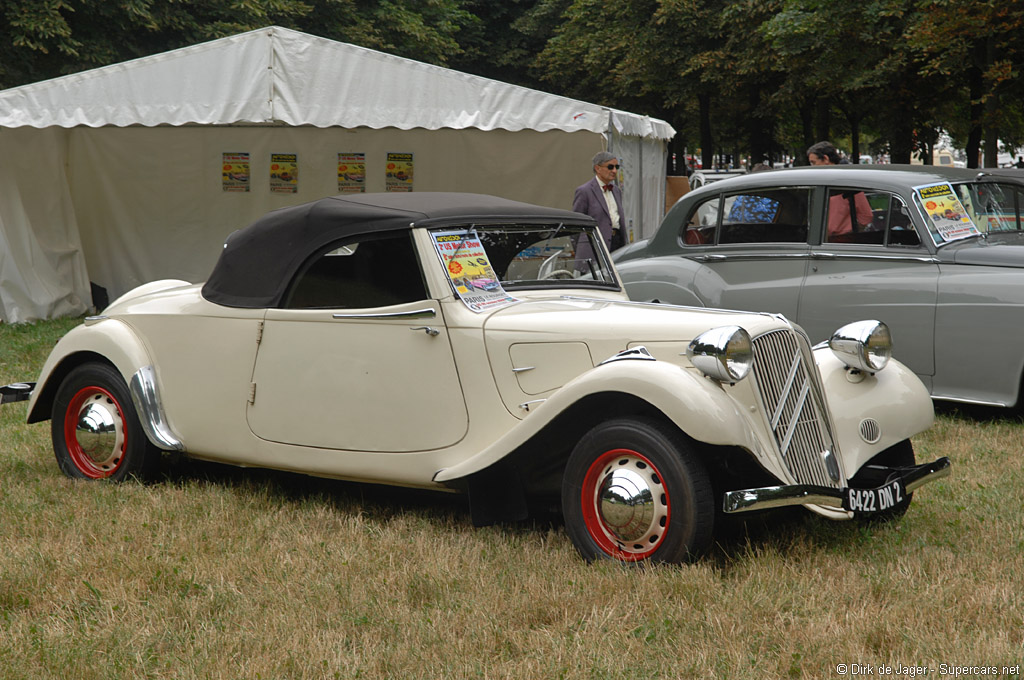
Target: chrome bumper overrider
point(16, 392)
point(801, 494)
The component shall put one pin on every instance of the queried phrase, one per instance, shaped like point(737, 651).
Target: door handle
point(432, 332)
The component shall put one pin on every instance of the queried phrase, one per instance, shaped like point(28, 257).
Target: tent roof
point(277, 75)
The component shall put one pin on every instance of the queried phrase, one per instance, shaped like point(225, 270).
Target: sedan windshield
point(972, 208)
point(528, 256)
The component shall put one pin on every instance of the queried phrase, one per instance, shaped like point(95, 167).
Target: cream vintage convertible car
point(469, 343)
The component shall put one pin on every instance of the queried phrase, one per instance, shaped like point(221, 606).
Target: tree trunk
point(975, 85)
point(822, 119)
point(707, 145)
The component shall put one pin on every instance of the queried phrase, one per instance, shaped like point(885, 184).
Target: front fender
point(894, 401)
point(698, 406)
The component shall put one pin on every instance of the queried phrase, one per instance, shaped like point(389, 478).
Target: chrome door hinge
point(252, 393)
point(259, 333)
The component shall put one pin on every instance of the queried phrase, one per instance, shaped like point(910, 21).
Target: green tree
point(42, 39)
point(975, 44)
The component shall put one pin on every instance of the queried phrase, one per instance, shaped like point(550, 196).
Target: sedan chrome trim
point(147, 402)
point(427, 313)
point(720, 257)
point(802, 494)
point(927, 259)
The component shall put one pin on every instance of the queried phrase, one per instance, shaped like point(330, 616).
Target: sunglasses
point(611, 166)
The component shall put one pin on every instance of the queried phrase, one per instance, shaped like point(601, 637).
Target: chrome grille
point(794, 408)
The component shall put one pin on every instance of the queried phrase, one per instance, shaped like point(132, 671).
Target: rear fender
point(106, 340)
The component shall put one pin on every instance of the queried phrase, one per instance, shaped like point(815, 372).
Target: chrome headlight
point(724, 354)
point(863, 345)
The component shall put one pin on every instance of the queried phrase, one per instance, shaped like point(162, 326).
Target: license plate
point(883, 498)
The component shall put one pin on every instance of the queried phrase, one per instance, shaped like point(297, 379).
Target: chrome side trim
point(428, 313)
point(927, 259)
point(767, 497)
point(151, 410)
point(720, 257)
point(93, 320)
point(816, 255)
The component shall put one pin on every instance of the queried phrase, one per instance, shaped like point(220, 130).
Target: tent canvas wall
point(115, 175)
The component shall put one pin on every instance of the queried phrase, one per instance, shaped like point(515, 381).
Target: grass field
point(222, 573)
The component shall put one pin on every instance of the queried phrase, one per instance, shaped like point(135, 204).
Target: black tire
point(95, 429)
point(897, 455)
point(633, 490)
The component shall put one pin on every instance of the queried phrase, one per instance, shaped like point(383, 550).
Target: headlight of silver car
point(724, 354)
point(863, 345)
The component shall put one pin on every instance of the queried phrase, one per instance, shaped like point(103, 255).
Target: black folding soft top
point(259, 261)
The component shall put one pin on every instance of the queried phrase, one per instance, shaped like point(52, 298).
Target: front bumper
point(16, 392)
point(808, 494)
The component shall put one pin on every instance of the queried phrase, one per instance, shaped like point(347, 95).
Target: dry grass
point(223, 573)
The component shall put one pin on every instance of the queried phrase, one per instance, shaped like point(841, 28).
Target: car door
point(358, 358)
point(752, 246)
point(874, 266)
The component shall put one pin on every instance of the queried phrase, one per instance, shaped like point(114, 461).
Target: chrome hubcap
point(99, 432)
point(631, 504)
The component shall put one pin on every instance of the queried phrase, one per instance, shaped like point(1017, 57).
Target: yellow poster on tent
point(398, 171)
point(284, 173)
point(235, 171)
point(351, 173)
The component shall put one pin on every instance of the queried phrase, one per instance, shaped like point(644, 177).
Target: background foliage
point(758, 78)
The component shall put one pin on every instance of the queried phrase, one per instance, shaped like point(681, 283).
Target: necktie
point(607, 187)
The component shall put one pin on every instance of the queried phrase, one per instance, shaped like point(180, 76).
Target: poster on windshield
point(945, 212)
point(470, 271)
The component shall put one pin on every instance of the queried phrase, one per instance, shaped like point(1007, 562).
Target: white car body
point(430, 393)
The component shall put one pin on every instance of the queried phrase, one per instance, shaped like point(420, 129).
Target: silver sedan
point(935, 253)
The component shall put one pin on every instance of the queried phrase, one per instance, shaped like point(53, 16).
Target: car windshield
point(971, 209)
point(530, 256)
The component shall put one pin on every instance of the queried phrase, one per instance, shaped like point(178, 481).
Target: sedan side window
point(369, 271)
point(756, 216)
point(880, 218)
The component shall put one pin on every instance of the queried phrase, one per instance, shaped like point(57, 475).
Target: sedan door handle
point(429, 331)
point(823, 256)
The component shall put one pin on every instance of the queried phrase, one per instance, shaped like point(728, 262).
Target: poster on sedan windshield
point(470, 271)
point(945, 212)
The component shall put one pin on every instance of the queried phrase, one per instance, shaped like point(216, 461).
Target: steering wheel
point(558, 274)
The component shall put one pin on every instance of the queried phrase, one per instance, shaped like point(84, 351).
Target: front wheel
point(633, 490)
point(95, 429)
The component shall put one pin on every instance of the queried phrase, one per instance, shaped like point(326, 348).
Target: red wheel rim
point(625, 505)
point(94, 432)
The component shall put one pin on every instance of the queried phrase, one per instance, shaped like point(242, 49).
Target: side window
point(367, 271)
point(869, 218)
point(900, 229)
point(702, 226)
point(766, 216)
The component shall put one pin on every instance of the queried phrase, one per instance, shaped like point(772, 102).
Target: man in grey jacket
point(601, 198)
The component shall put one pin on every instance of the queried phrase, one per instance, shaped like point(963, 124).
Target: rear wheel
point(633, 490)
point(95, 428)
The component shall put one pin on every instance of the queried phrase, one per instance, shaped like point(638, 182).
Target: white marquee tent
point(117, 175)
